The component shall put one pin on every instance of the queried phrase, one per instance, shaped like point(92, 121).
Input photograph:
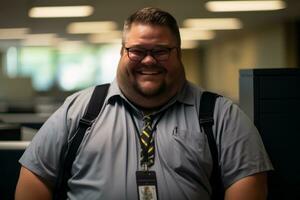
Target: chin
point(151, 91)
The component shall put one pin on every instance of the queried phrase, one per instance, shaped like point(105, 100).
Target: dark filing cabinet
point(271, 98)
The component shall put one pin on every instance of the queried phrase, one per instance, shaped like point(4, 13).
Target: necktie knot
point(147, 122)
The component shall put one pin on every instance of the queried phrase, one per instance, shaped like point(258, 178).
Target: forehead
point(145, 34)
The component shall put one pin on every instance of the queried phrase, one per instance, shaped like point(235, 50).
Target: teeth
point(149, 73)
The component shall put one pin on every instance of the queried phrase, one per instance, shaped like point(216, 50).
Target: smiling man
point(150, 71)
point(147, 143)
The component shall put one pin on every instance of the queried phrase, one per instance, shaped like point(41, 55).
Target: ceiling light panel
point(45, 39)
point(235, 6)
point(13, 33)
point(213, 23)
point(91, 27)
point(61, 11)
point(194, 34)
point(107, 37)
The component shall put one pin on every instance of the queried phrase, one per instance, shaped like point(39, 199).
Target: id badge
point(146, 185)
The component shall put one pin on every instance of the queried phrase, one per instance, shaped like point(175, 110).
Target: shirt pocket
point(191, 155)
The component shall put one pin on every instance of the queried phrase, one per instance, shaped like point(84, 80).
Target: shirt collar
point(186, 95)
point(114, 90)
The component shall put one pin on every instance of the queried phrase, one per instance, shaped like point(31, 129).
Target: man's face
point(150, 77)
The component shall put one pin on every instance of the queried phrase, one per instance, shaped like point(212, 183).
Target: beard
point(138, 85)
point(149, 87)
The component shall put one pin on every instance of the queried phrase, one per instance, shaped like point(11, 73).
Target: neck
point(148, 111)
point(149, 104)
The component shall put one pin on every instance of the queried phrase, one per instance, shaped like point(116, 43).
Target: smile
point(149, 72)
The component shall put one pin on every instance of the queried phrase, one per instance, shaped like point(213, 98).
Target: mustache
point(152, 67)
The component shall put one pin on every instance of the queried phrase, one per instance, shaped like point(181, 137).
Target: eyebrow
point(156, 46)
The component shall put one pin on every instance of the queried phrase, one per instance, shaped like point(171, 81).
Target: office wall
point(191, 59)
point(263, 48)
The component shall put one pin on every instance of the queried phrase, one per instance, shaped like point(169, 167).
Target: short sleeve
point(240, 146)
point(43, 153)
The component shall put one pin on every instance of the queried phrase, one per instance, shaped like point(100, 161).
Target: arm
point(30, 186)
point(249, 188)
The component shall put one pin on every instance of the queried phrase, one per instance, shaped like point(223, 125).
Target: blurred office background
point(45, 55)
point(63, 54)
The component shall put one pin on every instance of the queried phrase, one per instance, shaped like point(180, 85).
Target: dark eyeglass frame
point(153, 52)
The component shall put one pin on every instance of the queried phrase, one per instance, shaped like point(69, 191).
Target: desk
point(33, 120)
point(10, 131)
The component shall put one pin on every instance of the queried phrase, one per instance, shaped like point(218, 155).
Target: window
point(68, 69)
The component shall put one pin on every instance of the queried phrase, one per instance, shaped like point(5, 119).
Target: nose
point(148, 59)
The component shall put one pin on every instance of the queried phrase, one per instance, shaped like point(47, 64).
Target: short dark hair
point(153, 16)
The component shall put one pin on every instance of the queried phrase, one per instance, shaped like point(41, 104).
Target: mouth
point(150, 71)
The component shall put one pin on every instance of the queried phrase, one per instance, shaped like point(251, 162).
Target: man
point(150, 82)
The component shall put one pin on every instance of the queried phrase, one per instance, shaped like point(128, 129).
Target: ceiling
point(14, 13)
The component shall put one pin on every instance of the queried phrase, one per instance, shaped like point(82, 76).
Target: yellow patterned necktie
point(147, 142)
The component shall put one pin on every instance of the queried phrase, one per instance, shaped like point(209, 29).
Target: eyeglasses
point(137, 54)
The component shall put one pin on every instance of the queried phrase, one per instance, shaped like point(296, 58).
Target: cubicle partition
point(271, 98)
point(10, 153)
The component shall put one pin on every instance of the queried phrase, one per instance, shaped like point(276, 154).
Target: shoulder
point(80, 97)
point(227, 114)
point(225, 104)
point(230, 119)
point(73, 108)
point(77, 102)
point(227, 110)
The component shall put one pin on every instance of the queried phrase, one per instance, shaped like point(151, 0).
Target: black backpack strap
point(68, 157)
point(206, 120)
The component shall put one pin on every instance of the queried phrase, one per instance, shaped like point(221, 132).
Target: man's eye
point(160, 51)
point(137, 51)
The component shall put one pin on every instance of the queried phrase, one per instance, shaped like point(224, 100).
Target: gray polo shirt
point(109, 154)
